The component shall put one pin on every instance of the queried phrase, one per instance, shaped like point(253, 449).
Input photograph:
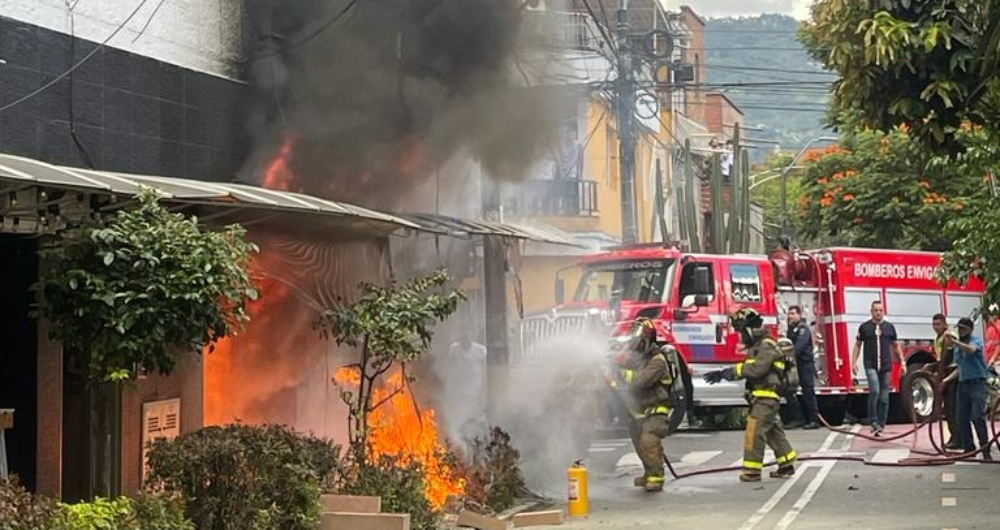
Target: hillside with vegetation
point(760, 65)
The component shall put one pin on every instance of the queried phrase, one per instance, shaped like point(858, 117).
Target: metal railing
point(554, 198)
point(552, 29)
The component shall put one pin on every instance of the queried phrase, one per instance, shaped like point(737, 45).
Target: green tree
point(390, 326)
point(135, 289)
point(885, 190)
point(928, 65)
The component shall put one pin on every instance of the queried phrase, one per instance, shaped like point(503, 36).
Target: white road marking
point(964, 463)
point(628, 460)
point(757, 517)
point(807, 495)
point(890, 456)
point(813, 487)
point(948, 502)
point(602, 449)
point(697, 458)
point(764, 510)
point(947, 477)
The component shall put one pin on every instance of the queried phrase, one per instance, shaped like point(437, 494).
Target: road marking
point(890, 456)
point(807, 495)
point(602, 449)
point(817, 482)
point(697, 458)
point(760, 514)
point(629, 460)
point(947, 477)
point(948, 501)
point(610, 443)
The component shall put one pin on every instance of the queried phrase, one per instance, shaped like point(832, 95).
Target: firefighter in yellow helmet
point(766, 370)
point(648, 374)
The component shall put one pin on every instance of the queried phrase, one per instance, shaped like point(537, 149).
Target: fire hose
point(940, 457)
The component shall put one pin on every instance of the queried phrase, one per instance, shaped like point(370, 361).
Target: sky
point(734, 8)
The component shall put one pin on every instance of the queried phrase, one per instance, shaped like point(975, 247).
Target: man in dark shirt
point(805, 363)
point(878, 339)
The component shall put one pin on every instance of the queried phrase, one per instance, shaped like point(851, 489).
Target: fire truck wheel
point(918, 395)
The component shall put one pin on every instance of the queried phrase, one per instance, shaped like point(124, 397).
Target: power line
point(764, 69)
point(80, 63)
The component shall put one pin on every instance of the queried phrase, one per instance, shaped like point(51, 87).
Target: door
point(699, 328)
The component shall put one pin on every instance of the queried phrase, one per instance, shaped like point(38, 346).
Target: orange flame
point(278, 174)
point(400, 431)
point(347, 375)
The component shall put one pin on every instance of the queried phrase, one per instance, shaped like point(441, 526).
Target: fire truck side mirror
point(680, 315)
point(560, 291)
point(701, 300)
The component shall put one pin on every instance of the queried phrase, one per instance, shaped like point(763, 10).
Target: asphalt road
point(822, 495)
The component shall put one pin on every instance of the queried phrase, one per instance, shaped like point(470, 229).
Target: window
point(689, 284)
point(636, 281)
point(745, 281)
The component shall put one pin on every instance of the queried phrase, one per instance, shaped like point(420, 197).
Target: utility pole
point(625, 103)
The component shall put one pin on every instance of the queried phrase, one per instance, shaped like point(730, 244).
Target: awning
point(26, 172)
point(453, 226)
point(39, 197)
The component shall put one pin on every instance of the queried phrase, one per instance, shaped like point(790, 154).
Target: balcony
point(552, 29)
point(553, 198)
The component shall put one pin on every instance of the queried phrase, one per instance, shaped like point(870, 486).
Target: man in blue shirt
point(971, 374)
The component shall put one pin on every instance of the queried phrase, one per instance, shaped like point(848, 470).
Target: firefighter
point(648, 374)
point(766, 370)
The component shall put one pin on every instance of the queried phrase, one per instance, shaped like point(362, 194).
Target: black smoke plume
point(374, 93)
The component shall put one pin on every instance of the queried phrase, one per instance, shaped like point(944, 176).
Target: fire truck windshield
point(635, 281)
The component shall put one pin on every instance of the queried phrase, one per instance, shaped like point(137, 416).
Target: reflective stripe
point(780, 365)
point(765, 394)
point(628, 375)
point(739, 370)
point(659, 409)
point(792, 455)
point(655, 479)
point(750, 464)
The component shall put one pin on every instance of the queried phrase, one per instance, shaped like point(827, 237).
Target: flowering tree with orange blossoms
point(885, 190)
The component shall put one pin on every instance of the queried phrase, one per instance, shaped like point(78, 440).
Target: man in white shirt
point(465, 387)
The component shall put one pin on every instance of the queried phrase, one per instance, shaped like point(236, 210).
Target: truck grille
point(535, 330)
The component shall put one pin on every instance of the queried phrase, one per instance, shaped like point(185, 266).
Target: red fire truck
point(690, 295)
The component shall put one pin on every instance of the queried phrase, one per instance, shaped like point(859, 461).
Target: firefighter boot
point(640, 481)
point(783, 472)
point(748, 476)
point(654, 483)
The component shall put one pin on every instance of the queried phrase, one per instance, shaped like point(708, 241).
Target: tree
point(391, 327)
point(135, 289)
point(885, 190)
point(928, 65)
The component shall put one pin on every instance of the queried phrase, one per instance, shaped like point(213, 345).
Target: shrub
point(240, 476)
point(20, 510)
point(401, 487)
point(493, 472)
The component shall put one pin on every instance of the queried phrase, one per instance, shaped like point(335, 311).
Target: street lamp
point(787, 169)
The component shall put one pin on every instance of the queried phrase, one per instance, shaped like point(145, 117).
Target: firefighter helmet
point(642, 334)
point(749, 324)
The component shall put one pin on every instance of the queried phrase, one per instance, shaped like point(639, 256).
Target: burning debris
point(370, 102)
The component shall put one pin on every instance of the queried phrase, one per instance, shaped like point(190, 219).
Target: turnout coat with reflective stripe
point(760, 369)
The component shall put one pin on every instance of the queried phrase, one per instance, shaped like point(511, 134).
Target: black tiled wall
point(131, 113)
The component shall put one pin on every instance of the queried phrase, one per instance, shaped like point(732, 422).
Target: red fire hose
point(940, 458)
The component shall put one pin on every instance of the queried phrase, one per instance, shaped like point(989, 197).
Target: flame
point(399, 430)
point(347, 375)
point(278, 174)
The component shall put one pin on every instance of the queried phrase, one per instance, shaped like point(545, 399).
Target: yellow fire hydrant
point(576, 482)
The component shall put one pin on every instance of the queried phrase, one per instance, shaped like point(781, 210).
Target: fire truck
point(689, 297)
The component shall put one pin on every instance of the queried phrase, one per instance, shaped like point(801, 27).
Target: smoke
point(551, 406)
point(392, 89)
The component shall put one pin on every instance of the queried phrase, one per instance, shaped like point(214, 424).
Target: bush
point(401, 487)
point(493, 473)
point(240, 476)
point(20, 510)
